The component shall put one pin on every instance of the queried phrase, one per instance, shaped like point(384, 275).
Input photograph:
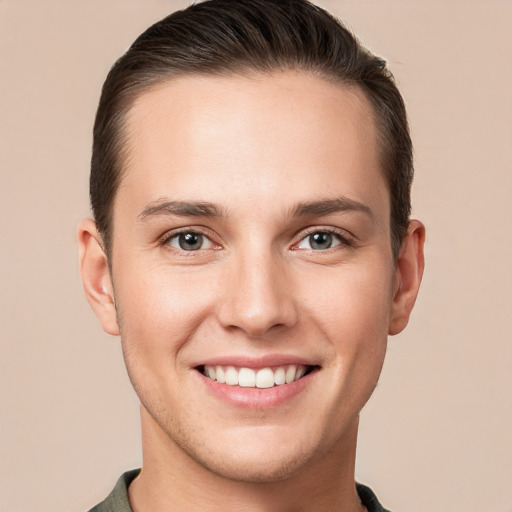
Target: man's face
point(251, 239)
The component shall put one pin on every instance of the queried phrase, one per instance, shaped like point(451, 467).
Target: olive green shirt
point(117, 500)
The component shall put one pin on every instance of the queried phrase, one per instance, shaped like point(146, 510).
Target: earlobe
point(409, 271)
point(96, 277)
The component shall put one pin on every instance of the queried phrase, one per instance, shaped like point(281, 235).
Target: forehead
point(211, 135)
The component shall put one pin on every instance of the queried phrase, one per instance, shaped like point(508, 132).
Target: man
point(252, 247)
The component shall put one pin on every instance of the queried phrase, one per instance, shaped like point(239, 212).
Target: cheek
point(352, 311)
point(159, 310)
point(353, 300)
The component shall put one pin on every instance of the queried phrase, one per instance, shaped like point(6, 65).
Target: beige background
point(436, 436)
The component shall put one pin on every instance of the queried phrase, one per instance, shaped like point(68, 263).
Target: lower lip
point(256, 398)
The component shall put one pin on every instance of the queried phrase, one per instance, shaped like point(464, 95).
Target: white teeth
point(221, 375)
point(250, 378)
point(279, 376)
point(264, 378)
point(246, 378)
point(301, 370)
point(290, 373)
point(231, 376)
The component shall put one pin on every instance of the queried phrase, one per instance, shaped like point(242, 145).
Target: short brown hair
point(232, 36)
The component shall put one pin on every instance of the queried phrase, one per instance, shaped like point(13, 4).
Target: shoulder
point(117, 500)
point(369, 500)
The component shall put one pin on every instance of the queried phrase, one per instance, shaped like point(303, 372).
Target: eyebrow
point(328, 206)
point(207, 209)
point(181, 209)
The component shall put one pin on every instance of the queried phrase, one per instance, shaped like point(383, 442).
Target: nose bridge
point(258, 292)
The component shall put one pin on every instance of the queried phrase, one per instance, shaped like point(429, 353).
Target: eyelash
point(340, 235)
point(166, 239)
point(345, 239)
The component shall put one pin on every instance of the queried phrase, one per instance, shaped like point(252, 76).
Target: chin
point(254, 454)
point(257, 467)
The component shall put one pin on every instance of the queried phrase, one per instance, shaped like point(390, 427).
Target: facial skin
point(256, 166)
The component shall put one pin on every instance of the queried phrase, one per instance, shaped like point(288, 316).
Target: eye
point(319, 241)
point(189, 241)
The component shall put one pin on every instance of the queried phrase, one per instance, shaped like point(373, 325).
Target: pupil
point(320, 240)
point(190, 241)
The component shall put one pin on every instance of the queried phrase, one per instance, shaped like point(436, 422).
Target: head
point(250, 184)
point(227, 37)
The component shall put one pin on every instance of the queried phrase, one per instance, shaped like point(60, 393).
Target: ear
point(96, 276)
point(409, 271)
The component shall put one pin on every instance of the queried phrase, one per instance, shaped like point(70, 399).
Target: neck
point(172, 480)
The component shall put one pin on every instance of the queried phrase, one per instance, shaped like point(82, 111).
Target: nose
point(258, 296)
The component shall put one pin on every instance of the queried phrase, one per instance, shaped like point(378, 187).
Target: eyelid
point(346, 239)
point(168, 235)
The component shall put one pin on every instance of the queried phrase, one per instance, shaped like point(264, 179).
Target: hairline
point(159, 79)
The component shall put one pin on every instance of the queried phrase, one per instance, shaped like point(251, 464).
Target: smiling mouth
point(261, 378)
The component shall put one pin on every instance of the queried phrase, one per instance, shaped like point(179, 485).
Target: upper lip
point(244, 361)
